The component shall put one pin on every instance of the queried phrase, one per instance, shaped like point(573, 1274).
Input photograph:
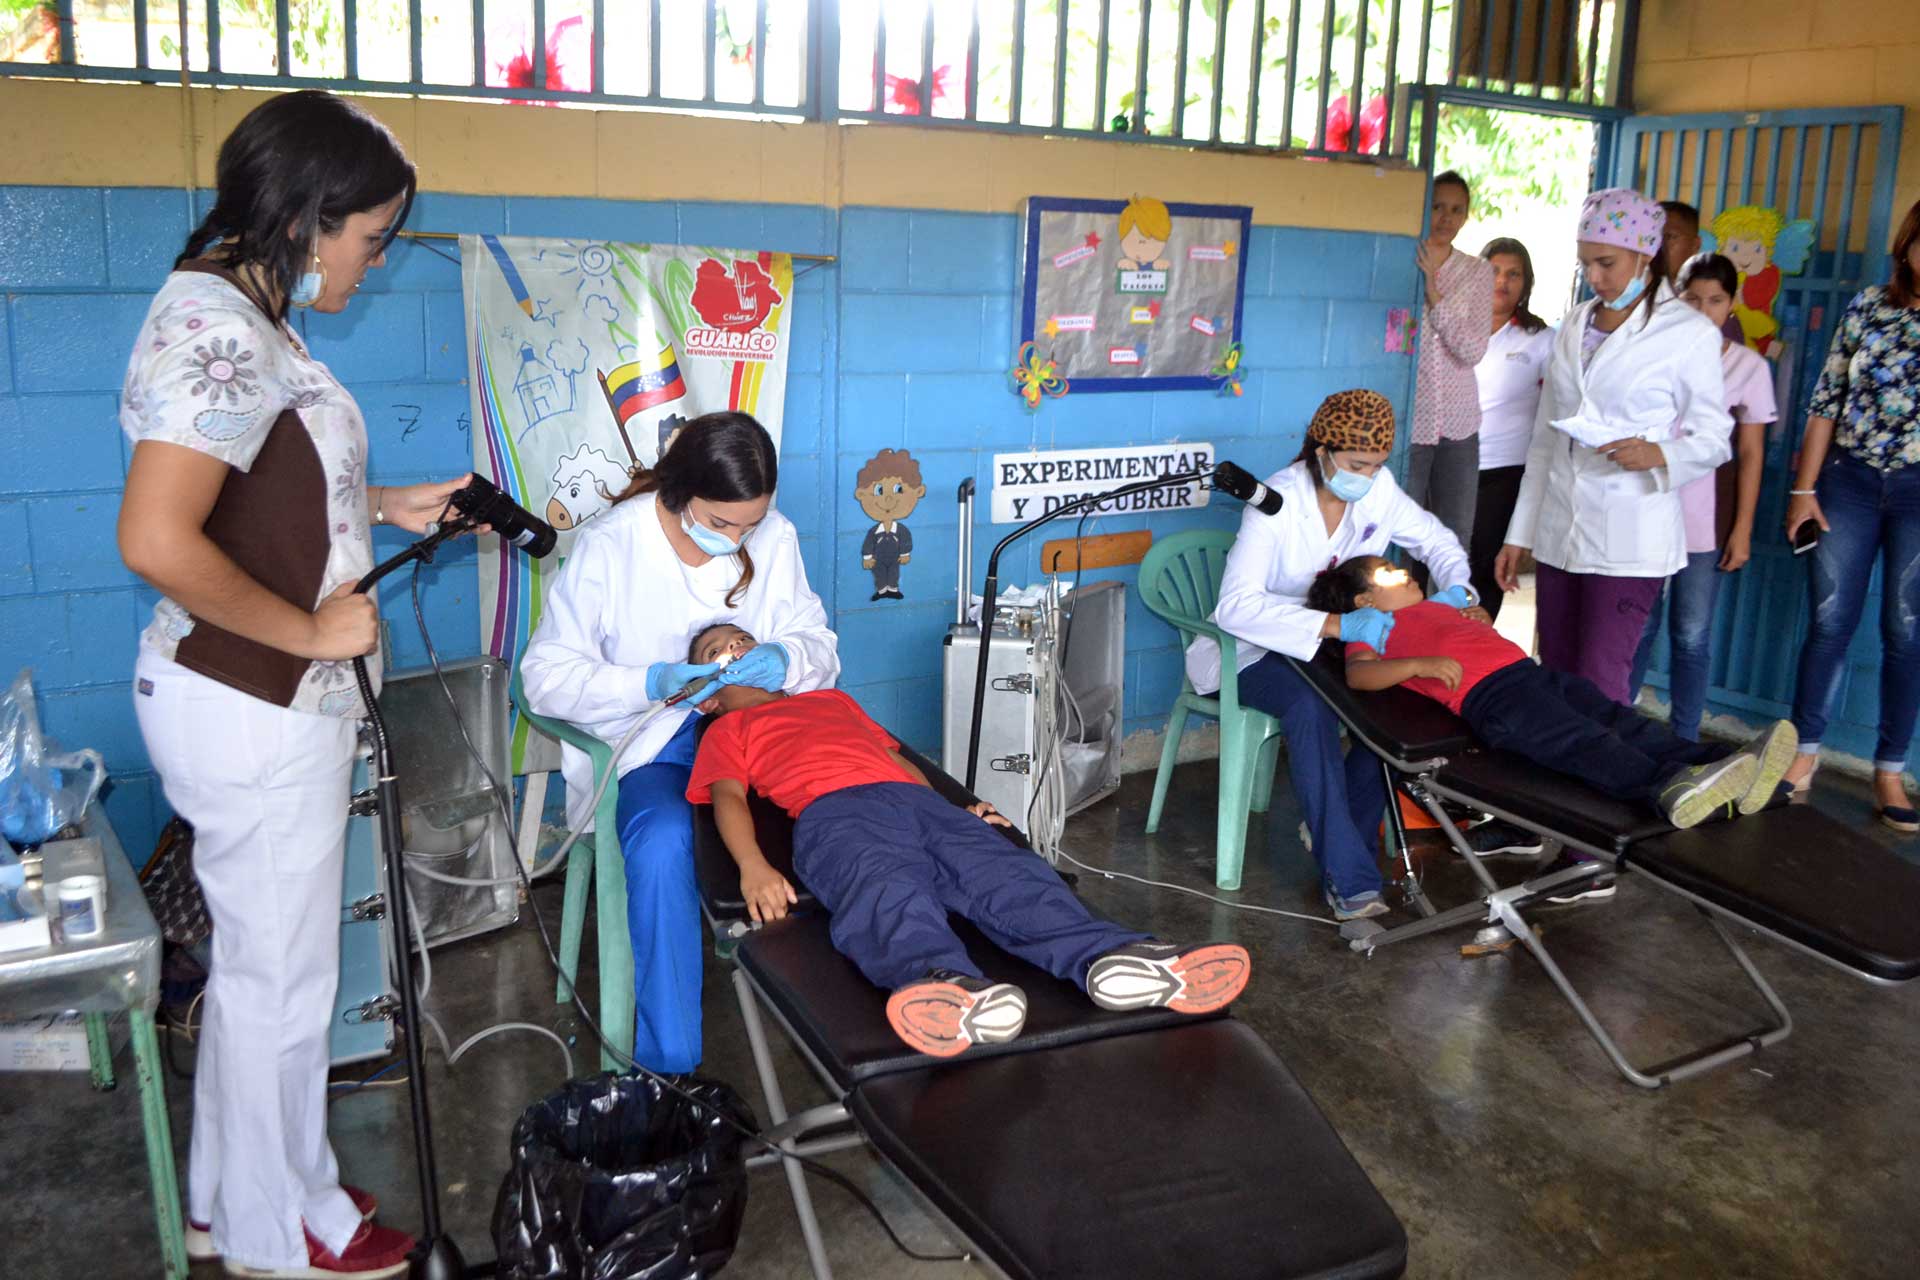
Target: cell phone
point(1806, 537)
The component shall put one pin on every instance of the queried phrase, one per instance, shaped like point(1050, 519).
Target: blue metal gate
point(1835, 167)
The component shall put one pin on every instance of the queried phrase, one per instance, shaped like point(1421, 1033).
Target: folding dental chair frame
point(1423, 773)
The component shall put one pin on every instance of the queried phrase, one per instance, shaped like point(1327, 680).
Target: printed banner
point(1026, 485)
point(585, 356)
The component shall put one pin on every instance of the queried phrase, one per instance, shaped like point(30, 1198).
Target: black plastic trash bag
point(619, 1178)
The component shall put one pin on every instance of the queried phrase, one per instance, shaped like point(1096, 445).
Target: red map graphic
point(739, 301)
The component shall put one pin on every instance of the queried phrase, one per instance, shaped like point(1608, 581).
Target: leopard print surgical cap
point(1357, 420)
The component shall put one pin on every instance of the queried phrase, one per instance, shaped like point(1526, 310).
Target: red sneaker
point(200, 1234)
point(1165, 975)
point(374, 1253)
point(946, 1013)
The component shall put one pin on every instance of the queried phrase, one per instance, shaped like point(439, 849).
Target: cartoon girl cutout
point(1762, 245)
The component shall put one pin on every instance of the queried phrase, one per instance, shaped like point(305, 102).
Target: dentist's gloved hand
point(1460, 596)
point(664, 679)
point(764, 667)
point(1368, 627)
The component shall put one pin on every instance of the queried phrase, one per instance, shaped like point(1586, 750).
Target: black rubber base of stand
point(442, 1261)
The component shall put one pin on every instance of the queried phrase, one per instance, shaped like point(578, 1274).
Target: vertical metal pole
point(1326, 76)
point(1511, 63)
point(1678, 141)
point(1426, 41)
point(1140, 68)
point(351, 34)
point(1746, 166)
point(1845, 238)
point(973, 60)
point(926, 60)
point(283, 37)
point(1593, 53)
point(1019, 60)
point(63, 24)
point(1293, 72)
point(1792, 206)
point(1059, 64)
point(710, 59)
point(213, 35)
point(880, 55)
point(539, 44)
point(1392, 87)
point(415, 40)
point(1259, 56)
point(1357, 94)
point(598, 48)
point(1483, 11)
point(1180, 70)
point(1544, 20)
point(1696, 193)
point(479, 42)
point(1219, 65)
point(140, 34)
point(1773, 165)
point(1102, 55)
point(758, 52)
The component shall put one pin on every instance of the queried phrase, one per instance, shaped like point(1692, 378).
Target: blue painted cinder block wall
point(904, 342)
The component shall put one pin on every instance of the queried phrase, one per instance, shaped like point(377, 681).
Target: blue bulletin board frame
point(1030, 284)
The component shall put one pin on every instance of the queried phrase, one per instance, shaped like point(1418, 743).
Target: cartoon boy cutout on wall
point(1145, 228)
point(1761, 244)
point(888, 488)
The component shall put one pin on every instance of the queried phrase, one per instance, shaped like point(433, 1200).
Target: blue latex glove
point(1460, 596)
point(1367, 626)
point(764, 667)
point(664, 679)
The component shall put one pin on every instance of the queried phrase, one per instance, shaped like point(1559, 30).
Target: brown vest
point(271, 520)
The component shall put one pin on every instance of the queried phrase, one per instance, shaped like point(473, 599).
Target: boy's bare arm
point(767, 892)
point(1369, 672)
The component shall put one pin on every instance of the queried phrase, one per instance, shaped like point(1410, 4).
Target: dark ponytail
point(718, 457)
point(293, 170)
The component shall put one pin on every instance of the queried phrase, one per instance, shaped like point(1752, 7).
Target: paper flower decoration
point(1227, 372)
point(1373, 124)
point(1035, 375)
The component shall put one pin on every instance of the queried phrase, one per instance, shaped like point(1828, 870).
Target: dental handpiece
point(695, 686)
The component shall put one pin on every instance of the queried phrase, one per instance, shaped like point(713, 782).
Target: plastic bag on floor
point(42, 788)
point(618, 1178)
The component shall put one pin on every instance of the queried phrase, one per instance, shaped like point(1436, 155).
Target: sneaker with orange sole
point(200, 1234)
point(374, 1253)
point(947, 1013)
point(1166, 975)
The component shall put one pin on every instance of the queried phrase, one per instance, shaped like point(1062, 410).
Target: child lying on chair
point(890, 857)
point(1561, 721)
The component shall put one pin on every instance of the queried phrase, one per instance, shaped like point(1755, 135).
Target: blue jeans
point(1342, 800)
point(1870, 511)
point(663, 906)
point(1689, 638)
point(891, 859)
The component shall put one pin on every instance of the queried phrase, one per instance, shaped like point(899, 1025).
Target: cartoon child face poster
point(888, 488)
point(1762, 245)
point(1142, 294)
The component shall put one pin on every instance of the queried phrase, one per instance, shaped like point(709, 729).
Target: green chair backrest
point(1180, 579)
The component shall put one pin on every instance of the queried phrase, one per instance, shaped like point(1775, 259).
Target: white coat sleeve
point(1703, 439)
point(1249, 610)
point(562, 672)
point(796, 619)
point(1540, 447)
point(1419, 531)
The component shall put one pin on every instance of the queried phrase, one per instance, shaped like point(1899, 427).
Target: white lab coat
point(625, 600)
point(1276, 557)
point(1657, 377)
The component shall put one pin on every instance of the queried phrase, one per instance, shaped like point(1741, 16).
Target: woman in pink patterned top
point(1443, 471)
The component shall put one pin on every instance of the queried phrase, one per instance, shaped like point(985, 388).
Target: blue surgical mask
point(307, 289)
point(714, 544)
point(1630, 294)
point(1345, 485)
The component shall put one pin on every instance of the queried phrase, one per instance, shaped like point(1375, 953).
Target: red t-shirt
point(796, 749)
point(1433, 630)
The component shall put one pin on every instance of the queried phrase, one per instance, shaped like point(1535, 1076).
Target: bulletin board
point(1134, 295)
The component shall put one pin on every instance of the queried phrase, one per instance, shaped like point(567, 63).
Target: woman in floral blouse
point(1859, 480)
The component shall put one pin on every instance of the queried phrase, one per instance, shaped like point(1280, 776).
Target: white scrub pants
point(266, 790)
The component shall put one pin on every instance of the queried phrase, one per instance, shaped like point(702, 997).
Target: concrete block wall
point(904, 342)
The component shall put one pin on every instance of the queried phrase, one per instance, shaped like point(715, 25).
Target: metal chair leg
point(161, 1175)
point(777, 1113)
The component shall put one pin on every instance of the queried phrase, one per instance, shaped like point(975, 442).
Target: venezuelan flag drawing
point(640, 385)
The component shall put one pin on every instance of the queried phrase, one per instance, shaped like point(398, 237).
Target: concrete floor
point(1466, 1088)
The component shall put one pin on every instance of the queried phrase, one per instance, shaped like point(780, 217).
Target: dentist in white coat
point(1340, 501)
point(692, 542)
point(1633, 408)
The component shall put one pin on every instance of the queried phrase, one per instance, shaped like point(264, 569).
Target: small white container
point(83, 906)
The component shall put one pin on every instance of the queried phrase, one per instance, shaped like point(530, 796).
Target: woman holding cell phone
point(1855, 496)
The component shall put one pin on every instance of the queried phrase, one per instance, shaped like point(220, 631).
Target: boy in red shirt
point(1552, 717)
point(889, 857)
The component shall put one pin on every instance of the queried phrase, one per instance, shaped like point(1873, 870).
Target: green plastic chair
point(1180, 582)
point(594, 858)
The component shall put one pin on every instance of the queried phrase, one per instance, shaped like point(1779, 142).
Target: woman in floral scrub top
point(247, 508)
point(1859, 480)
